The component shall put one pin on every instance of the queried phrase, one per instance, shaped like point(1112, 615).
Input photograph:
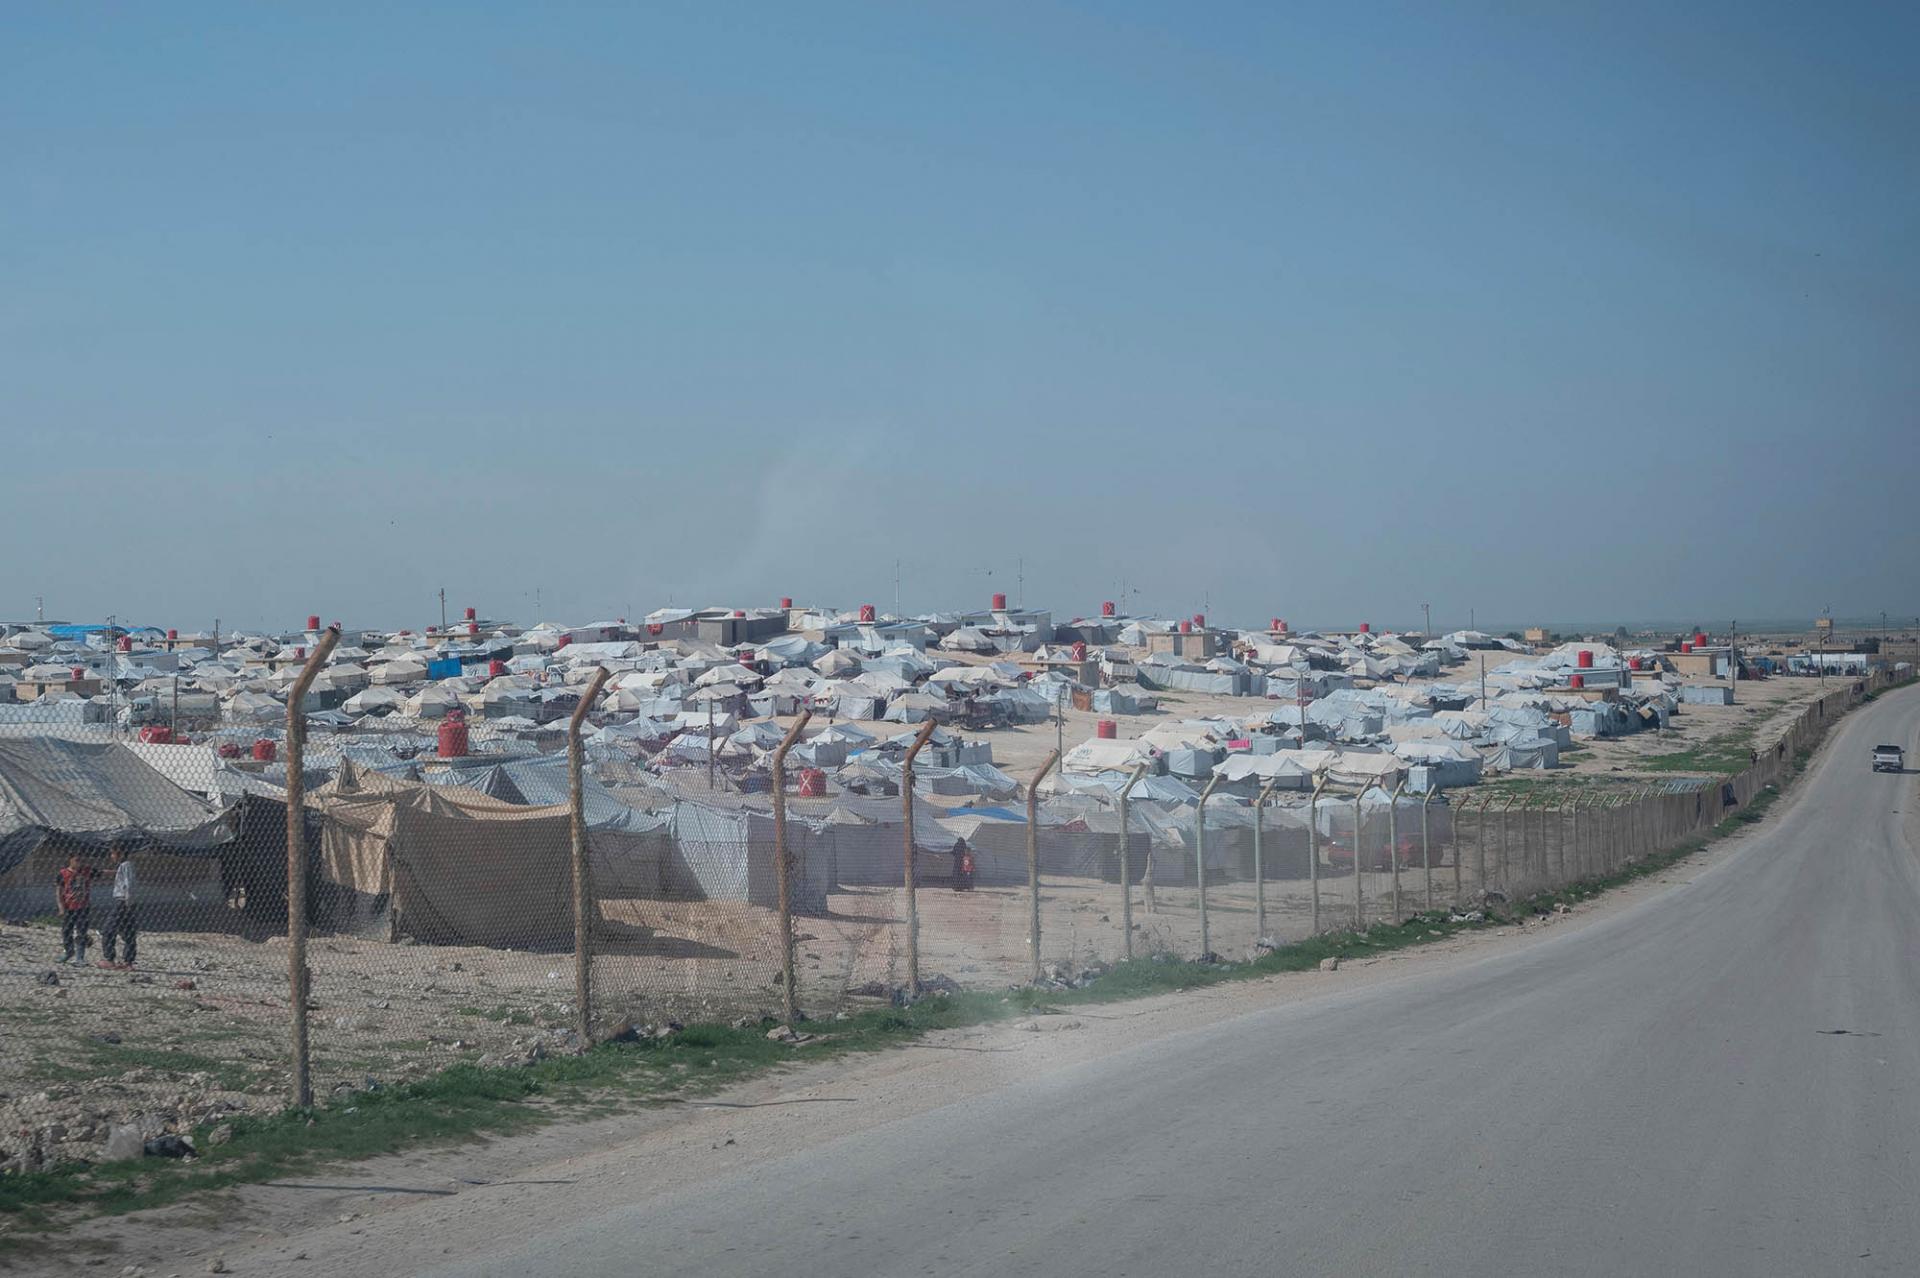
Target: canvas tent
point(444, 865)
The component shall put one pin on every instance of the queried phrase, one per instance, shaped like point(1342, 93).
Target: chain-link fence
point(204, 917)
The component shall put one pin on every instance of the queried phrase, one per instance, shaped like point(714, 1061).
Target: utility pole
point(1426, 625)
point(1471, 622)
point(710, 750)
point(1020, 582)
point(896, 587)
point(1733, 658)
point(1059, 719)
point(443, 610)
point(1483, 680)
point(39, 608)
point(216, 638)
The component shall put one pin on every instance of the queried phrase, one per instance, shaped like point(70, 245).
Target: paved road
point(1658, 1093)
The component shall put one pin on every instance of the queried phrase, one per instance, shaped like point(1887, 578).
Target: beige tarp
point(460, 868)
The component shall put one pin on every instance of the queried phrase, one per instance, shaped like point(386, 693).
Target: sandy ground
point(404, 1213)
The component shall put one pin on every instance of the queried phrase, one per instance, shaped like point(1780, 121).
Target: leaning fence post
point(298, 978)
point(1033, 861)
point(576, 803)
point(913, 904)
point(1259, 866)
point(1126, 891)
point(1200, 864)
point(783, 873)
point(1313, 847)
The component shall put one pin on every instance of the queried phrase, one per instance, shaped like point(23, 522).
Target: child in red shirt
point(74, 888)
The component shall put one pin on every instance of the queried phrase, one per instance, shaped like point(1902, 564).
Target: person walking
point(73, 888)
point(123, 924)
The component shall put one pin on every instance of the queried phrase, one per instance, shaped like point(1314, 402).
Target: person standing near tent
point(122, 923)
point(73, 887)
point(962, 866)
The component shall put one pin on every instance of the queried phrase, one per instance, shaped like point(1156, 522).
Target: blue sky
point(1323, 312)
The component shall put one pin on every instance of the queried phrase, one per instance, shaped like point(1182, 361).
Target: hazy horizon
point(1317, 313)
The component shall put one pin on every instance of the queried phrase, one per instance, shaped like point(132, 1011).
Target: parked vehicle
point(1888, 758)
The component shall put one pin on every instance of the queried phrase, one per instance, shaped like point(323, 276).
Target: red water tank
point(228, 750)
point(564, 641)
point(1584, 659)
point(157, 734)
point(1699, 638)
point(313, 621)
point(1186, 627)
point(1280, 625)
point(1106, 730)
point(496, 668)
point(79, 672)
point(1686, 645)
point(473, 627)
point(263, 751)
point(1199, 621)
point(654, 628)
point(453, 737)
point(867, 613)
point(1578, 681)
point(1107, 609)
point(172, 634)
point(1079, 650)
point(813, 784)
point(999, 603)
point(433, 630)
point(300, 653)
point(786, 601)
point(471, 614)
point(746, 658)
point(1633, 663)
point(126, 643)
point(1366, 627)
point(739, 612)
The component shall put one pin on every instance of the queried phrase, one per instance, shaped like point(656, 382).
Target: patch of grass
point(1724, 756)
point(465, 1102)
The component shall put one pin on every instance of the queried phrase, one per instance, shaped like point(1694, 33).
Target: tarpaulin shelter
point(445, 865)
point(59, 796)
point(727, 855)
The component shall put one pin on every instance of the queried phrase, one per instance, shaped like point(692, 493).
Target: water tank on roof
point(999, 603)
point(1107, 609)
point(1199, 621)
point(1584, 659)
point(813, 784)
point(263, 751)
point(1186, 627)
point(471, 614)
point(496, 668)
point(1578, 681)
point(786, 601)
point(866, 612)
point(453, 736)
point(1106, 730)
point(1079, 650)
point(125, 643)
point(313, 621)
point(1366, 627)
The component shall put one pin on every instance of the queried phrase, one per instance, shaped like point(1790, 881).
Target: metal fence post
point(1126, 889)
point(1259, 864)
point(1480, 841)
point(1359, 902)
point(1033, 861)
point(1200, 864)
point(576, 803)
point(1426, 846)
point(913, 904)
point(1393, 848)
point(1313, 847)
point(299, 980)
point(781, 869)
